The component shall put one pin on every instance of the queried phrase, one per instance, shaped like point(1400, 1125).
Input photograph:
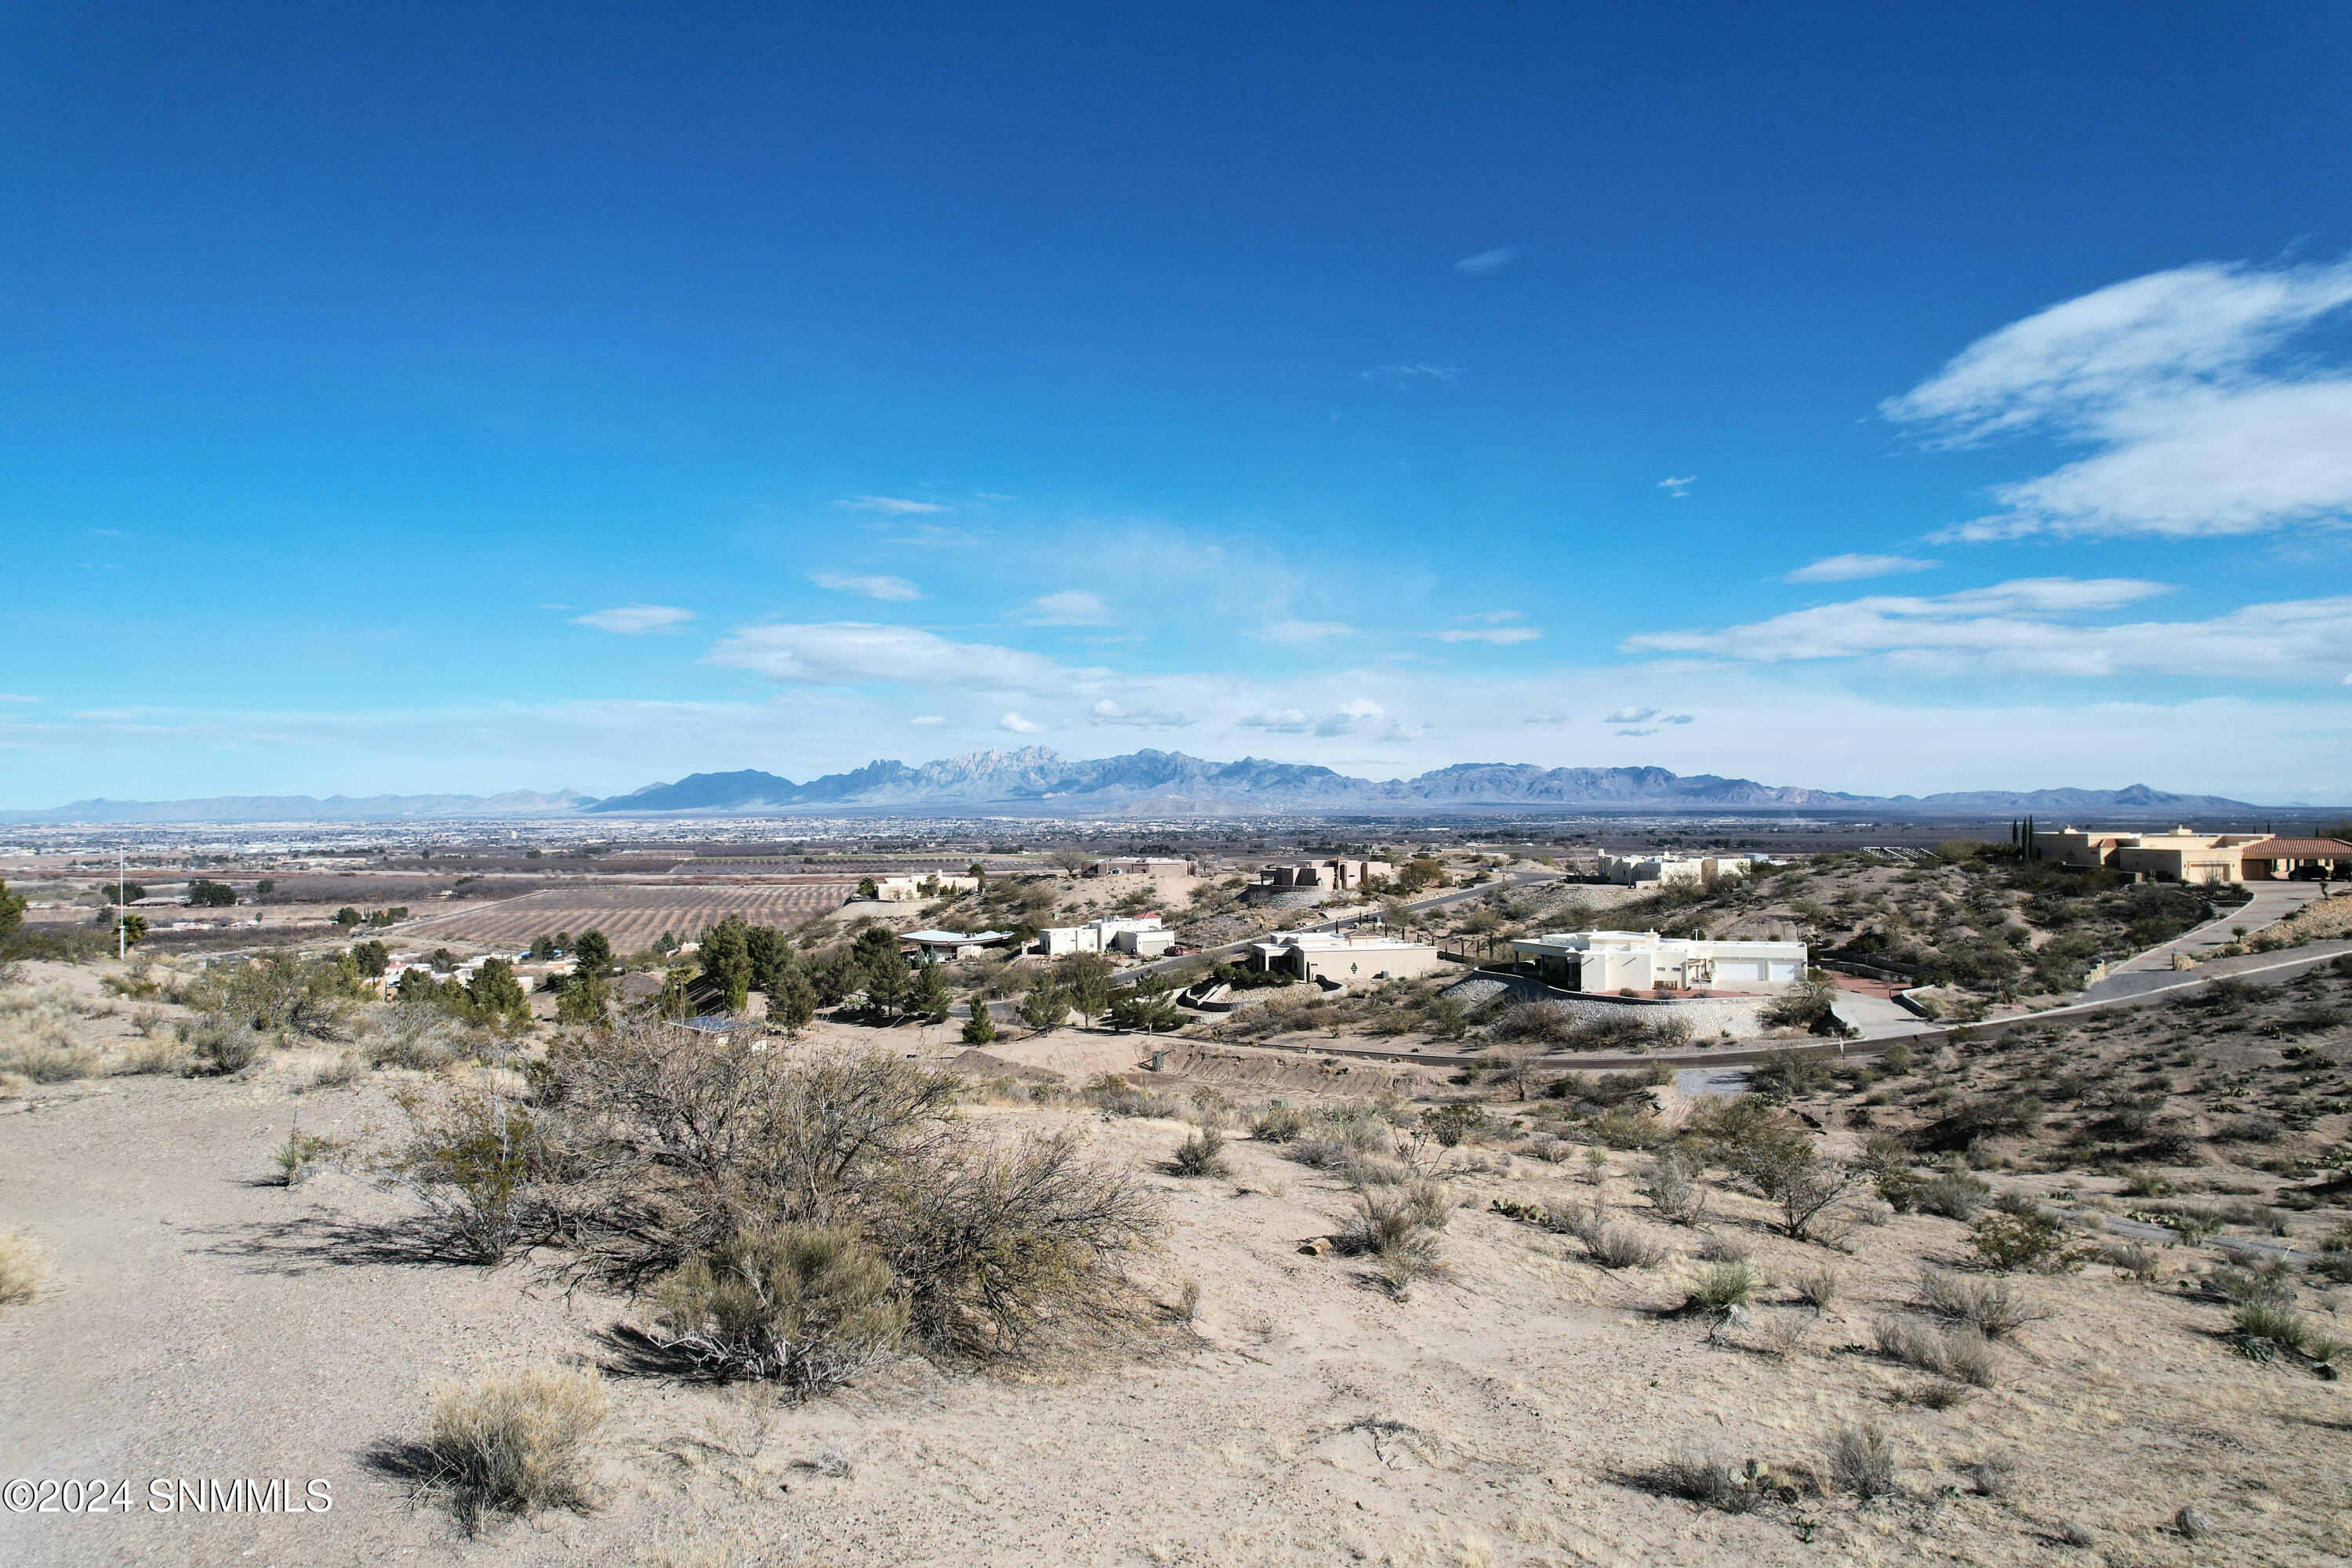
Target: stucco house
point(1607, 960)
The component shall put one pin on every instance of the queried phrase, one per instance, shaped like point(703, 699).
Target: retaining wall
point(1740, 1016)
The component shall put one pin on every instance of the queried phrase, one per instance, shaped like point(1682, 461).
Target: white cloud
point(891, 505)
point(888, 588)
point(633, 618)
point(1678, 487)
point(1553, 720)
point(928, 719)
point(852, 653)
point(1070, 607)
point(2018, 626)
point(1637, 731)
point(1485, 617)
point(1498, 635)
point(1299, 634)
point(1278, 720)
point(1404, 377)
point(1854, 568)
point(1018, 725)
point(2198, 426)
point(1490, 260)
point(1109, 712)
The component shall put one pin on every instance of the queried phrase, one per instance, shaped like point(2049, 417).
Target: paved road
point(2144, 972)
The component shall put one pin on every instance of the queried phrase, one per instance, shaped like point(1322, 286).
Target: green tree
point(674, 1001)
point(346, 916)
point(1045, 1007)
point(1087, 978)
point(585, 997)
point(979, 875)
point(495, 993)
point(866, 889)
point(981, 1028)
point(793, 1004)
point(544, 947)
point(886, 983)
point(592, 954)
point(725, 958)
point(931, 996)
point(1148, 1014)
point(264, 888)
point(372, 957)
point(206, 894)
point(126, 892)
point(11, 911)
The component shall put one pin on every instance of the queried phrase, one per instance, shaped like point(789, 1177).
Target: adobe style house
point(1331, 958)
point(2184, 855)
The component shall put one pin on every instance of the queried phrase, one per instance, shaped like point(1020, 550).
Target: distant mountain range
point(1039, 781)
point(518, 802)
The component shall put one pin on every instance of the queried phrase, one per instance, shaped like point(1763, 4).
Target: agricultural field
point(631, 917)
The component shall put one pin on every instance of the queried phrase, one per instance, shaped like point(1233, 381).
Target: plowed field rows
point(630, 916)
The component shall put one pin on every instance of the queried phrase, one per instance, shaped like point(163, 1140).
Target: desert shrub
point(1784, 1075)
point(1450, 1124)
point(1721, 1287)
point(1398, 1224)
point(414, 1036)
point(2037, 1241)
point(2137, 1258)
point(1670, 1184)
point(1862, 1461)
point(1968, 1356)
point(22, 1269)
point(2248, 1286)
point(467, 1156)
point(1345, 1136)
point(1203, 1153)
point(1625, 1129)
point(1993, 1307)
point(514, 1443)
point(2273, 1322)
point(994, 1241)
point(2252, 1129)
point(1611, 1245)
point(1277, 1123)
point(1711, 1482)
point(809, 1307)
point(219, 1046)
point(1955, 1196)
point(1147, 1103)
point(1543, 1023)
point(1818, 1288)
point(340, 1071)
point(307, 996)
point(1937, 1393)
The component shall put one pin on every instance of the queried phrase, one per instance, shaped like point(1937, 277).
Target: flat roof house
point(1672, 870)
point(2181, 854)
point(1112, 933)
point(1606, 961)
point(939, 946)
point(1340, 959)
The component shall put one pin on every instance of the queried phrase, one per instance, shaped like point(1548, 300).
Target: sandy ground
point(203, 1321)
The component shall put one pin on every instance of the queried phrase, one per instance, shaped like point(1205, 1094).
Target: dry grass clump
point(1963, 1354)
point(1670, 1183)
point(22, 1269)
point(1991, 1306)
point(218, 1046)
point(1712, 1482)
point(1203, 1153)
point(1398, 1224)
point(1277, 1123)
point(1612, 1244)
point(515, 1442)
point(35, 1038)
point(1862, 1461)
point(805, 1306)
point(1818, 1288)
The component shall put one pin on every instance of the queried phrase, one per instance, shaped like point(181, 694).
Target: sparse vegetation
point(515, 1442)
point(23, 1266)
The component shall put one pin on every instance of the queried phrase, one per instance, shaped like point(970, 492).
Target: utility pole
point(121, 915)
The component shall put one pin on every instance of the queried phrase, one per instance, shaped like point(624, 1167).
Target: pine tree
point(981, 1028)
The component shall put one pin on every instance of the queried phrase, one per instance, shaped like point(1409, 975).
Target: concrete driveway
point(2271, 902)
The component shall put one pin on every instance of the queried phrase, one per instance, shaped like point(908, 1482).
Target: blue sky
point(497, 398)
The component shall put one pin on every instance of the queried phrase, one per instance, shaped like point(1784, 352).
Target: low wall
point(1740, 1016)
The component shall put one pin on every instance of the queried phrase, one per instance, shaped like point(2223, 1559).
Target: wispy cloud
point(1633, 715)
point(1109, 712)
point(928, 720)
point(1854, 568)
point(1404, 377)
point(1299, 634)
point(891, 505)
point(1678, 487)
point(856, 653)
point(1018, 725)
point(1497, 635)
point(2176, 381)
point(1485, 617)
point(887, 588)
point(1278, 720)
point(1070, 607)
point(635, 618)
point(1553, 720)
point(2033, 625)
point(1492, 260)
